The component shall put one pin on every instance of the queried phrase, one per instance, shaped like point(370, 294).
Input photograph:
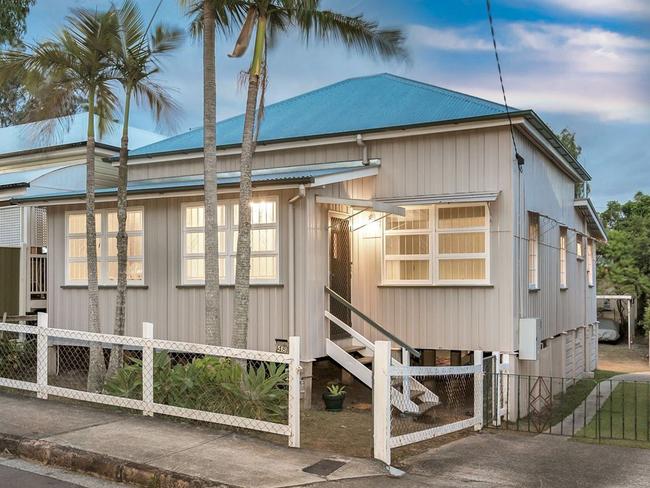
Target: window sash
point(103, 238)
point(227, 248)
point(590, 263)
point(434, 257)
point(563, 257)
point(533, 251)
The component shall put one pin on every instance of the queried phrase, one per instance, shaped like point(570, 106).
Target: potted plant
point(333, 398)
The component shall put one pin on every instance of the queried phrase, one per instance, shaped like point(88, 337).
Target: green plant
point(210, 384)
point(17, 359)
point(336, 390)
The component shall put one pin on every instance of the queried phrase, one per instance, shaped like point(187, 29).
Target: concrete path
point(506, 459)
point(212, 454)
point(586, 411)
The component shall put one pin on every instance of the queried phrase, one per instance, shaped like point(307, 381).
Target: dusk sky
point(582, 64)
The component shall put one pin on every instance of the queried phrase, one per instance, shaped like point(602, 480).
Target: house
point(407, 200)
point(37, 158)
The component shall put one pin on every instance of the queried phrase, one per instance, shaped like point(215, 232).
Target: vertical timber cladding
point(9, 284)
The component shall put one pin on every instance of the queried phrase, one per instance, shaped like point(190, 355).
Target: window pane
point(195, 269)
point(407, 244)
point(461, 243)
point(77, 223)
point(262, 212)
point(263, 240)
point(417, 218)
point(407, 270)
point(195, 242)
point(135, 271)
point(134, 221)
point(77, 271)
point(77, 248)
point(194, 217)
point(460, 217)
point(462, 269)
point(135, 246)
point(264, 267)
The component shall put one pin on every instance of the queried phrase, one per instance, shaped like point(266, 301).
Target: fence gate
point(458, 405)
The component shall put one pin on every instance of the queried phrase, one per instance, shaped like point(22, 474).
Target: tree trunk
point(242, 277)
point(212, 305)
point(116, 360)
point(96, 366)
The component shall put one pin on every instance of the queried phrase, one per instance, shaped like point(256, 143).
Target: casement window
point(580, 251)
point(533, 251)
point(437, 244)
point(590, 262)
point(563, 257)
point(106, 226)
point(264, 242)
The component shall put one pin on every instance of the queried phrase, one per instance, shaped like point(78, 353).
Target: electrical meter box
point(530, 338)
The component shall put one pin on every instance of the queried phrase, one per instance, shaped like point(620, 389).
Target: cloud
point(603, 8)
point(553, 67)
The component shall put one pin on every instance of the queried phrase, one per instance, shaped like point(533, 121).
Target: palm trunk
point(242, 277)
point(96, 366)
point(116, 359)
point(212, 304)
point(243, 272)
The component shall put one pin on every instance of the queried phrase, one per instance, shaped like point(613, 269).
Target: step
point(365, 359)
point(426, 406)
point(353, 348)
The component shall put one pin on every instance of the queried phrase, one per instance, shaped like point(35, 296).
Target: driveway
point(520, 460)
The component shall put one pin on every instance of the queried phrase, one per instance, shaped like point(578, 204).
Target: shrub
point(17, 358)
point(210, 384)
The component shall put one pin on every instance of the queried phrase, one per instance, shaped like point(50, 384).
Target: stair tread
point(365, 359)
point(353, 348)
point(426, 406)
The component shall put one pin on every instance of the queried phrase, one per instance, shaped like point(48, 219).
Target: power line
point(520, 159)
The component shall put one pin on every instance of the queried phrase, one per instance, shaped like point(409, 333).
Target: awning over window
point(587, 210)
point(472, 197)
point(362, 204)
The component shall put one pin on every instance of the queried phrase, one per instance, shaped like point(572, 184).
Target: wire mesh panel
point(18, 357)
point(455, 404)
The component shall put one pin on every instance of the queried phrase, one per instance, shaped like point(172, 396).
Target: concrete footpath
point(161, 452)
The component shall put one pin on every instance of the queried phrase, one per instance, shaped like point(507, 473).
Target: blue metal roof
point(70, 130)
point(304, 175)
point(356, 104)
point(15, 179)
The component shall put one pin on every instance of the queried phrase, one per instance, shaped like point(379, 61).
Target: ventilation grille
point(10, 227)
point(39, 228)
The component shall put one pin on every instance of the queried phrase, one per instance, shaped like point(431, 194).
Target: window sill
point(252, 285)
point(564, 288)
point(438, 285)
point(580, 258)
point(104, 287)
point(533, 288)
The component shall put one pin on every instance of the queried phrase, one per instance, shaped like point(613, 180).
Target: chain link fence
point(242, 388)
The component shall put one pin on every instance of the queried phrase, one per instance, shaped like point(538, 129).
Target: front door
point(340, 279)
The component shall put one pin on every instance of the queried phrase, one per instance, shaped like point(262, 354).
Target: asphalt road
point(16, 473)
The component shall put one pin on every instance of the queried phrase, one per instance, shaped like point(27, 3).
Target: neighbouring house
point(405, 199)
point(37, 158)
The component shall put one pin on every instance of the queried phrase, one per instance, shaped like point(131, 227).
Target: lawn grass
point(624, 418)
point(574, 395)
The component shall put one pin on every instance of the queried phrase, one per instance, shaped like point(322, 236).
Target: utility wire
point(520, 159)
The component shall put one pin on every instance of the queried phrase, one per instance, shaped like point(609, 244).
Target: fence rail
point(250, 389)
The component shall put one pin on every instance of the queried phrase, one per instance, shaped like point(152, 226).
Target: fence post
point(381, 404)
point(478, 390)
point(497, 386)
point(41, 355)
point(294, 392)
point(406, 380)
point(147, 369)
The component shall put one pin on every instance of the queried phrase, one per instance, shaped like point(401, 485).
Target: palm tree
point(207, 17)
point(136, 59)
point(75, 63)
point(269, 18)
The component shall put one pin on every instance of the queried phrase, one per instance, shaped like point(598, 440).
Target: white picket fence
point(461, 395)
point(45, 357)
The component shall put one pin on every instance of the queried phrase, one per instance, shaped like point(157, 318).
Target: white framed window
point(590, 262)
point(76, 272)
point(533, 251)
point(563, 257)
point(437, 244)
point(264, 241)
point(580, 250)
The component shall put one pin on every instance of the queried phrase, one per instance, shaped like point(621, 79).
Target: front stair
point(355, 354)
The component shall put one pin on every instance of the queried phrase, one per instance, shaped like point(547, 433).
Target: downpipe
point(292, 260)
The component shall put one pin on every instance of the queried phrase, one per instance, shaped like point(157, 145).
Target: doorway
point(340, 269)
